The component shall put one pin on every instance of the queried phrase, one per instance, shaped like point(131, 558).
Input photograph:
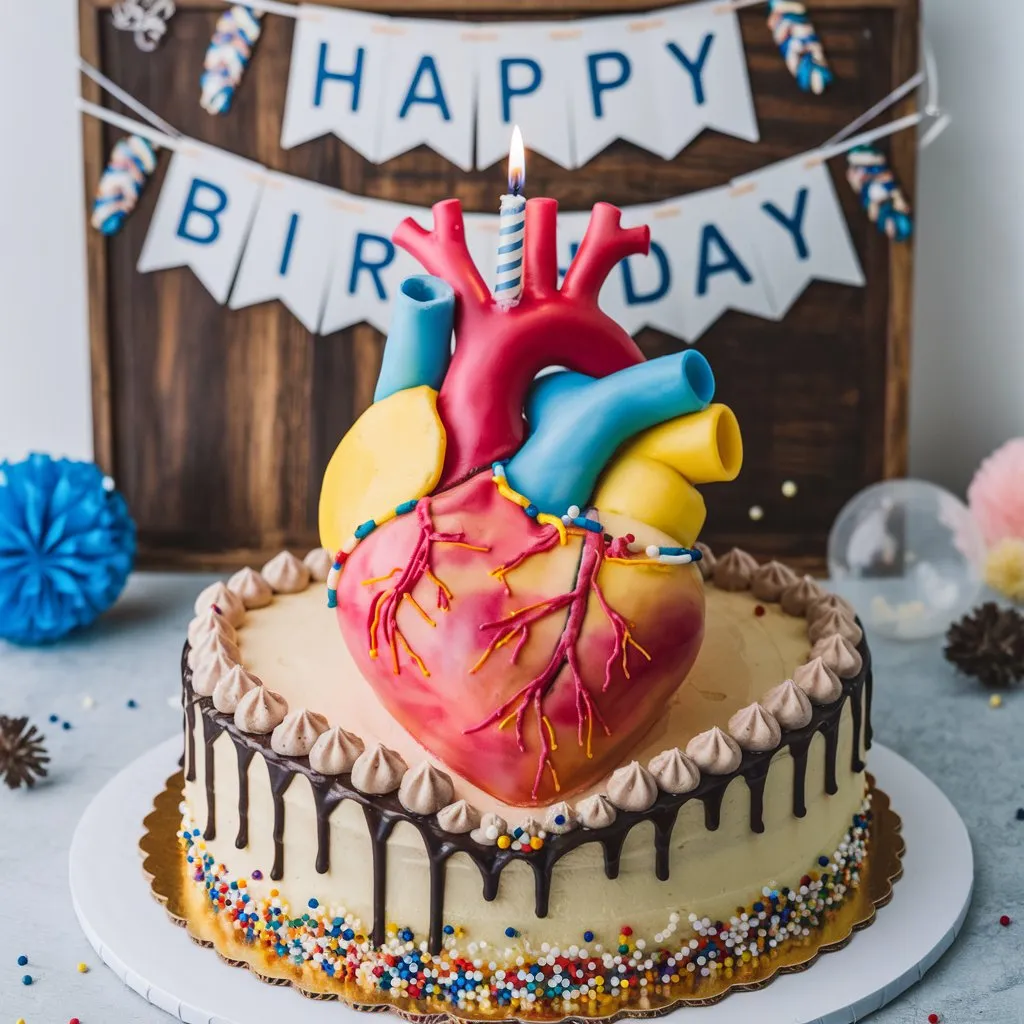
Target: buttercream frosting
point(560, 818)
point(230, 605)
point(834, 621)
point(458, 817)
point(335, 752)
point(260, 711)
point(425, 789)
point(211, 645)
point(714, 752)
point(789, 704)
point(734, 570)
point(828, 602)
point(286, 574)
point(318, 562)
point(632, 787)
point(491, 826)
point(770, 580)
point(839, 654)
point(297, 733)
point(818, 681)
point(673, 771)
point(210, 671)
point(596, 811)
point(251, 587)
point(378, 770)
point(707, 560)
point(755, 728)
point(207, 622)
point(796, 598)
point(232, 687)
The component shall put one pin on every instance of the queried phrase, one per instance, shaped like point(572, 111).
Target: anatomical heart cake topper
point(514, 570)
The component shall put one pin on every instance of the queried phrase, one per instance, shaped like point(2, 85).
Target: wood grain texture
point(217, 424)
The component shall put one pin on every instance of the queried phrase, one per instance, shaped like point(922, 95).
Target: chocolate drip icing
point(756, 776)
point(856, 712)
point(380, 825)
point(383, 813)
point(798, 750)
point(326, 799)
point(245, 756)
point(210, 734)
point(280, 780)
point(190, 718)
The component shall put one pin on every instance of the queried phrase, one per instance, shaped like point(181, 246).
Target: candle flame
point(516, 163)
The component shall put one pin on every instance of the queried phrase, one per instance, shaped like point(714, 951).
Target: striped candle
point(508, 280)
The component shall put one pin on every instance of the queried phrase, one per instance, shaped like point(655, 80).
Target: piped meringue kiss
point(831, 622)
point(596, 811)
point(839, 654)
point(425, 789)
point(714, 752)
point(789, 704)
point(207, 622)
point(378, 770)
point(209, 672)
point(673, 771)
point(796, 598)
point(632, 787)
point(458, 818)
point(755, 729)
point(318, 562)
point(335, 752)
point(770, 580)
point(251, 587)
point(297, 733)
point(229, 605)
point(232, 687)
point(560, 819)
point(818, 681)
point(491, 826)
point(210, 646)
point(260, 711)
point(734, 570)
point(286, 574)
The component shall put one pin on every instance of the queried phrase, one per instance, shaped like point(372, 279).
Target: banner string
point(128, 100)
point(165, 141)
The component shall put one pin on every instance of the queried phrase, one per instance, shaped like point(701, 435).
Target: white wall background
point(967, 391)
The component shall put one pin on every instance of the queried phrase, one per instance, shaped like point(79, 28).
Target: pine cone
point(22, 753)
point(988, 644)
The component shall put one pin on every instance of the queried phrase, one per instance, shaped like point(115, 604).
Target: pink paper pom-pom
point(996, 494)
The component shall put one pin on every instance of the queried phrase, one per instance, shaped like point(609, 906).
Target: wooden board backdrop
point(217, 425)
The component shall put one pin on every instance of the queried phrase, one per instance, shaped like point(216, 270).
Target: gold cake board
point(165, 867)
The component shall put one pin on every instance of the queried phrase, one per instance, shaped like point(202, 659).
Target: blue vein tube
point(419, 345)
point(577, 423)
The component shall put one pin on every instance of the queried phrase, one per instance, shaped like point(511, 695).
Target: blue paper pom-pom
point(67, 544)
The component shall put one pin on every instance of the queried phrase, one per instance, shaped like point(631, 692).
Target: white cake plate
point(133, 936)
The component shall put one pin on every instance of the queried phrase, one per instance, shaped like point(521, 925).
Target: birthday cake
point(513, 743)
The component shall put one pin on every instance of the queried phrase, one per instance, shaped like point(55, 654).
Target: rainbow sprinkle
point(321, 939)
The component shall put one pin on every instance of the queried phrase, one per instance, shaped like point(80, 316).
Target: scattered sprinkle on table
point(22, 960)
point(88, 702)
point(1020, 813)
point(995, 701)
point(933, 1018)
point(26, 979)
point(74, 1020)
point(132, 703)
point(54, 718)
point(83, 968)
point(1005, 920)
point(65, 725)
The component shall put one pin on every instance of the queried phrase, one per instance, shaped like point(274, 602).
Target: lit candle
point(508, 281)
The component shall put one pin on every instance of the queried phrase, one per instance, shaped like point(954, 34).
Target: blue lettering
point(508, 90)
point(729, 263)
point(373, 267)
point(289, 244)
point(695, 68)
point(635, 298)
point(209, 212)
point(599, 85)
point(354, 77)
point(435, 99)
point(795, 224)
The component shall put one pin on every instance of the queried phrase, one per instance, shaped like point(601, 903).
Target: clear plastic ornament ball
point(908, 555)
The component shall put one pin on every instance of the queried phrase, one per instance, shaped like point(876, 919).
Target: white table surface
point(939, 721)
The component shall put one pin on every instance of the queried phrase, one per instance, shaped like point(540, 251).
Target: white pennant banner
point(387, 85)
point(203, 216)
point(291, 248)
point(752, 246)
point(337, 77)
point(798, 229)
